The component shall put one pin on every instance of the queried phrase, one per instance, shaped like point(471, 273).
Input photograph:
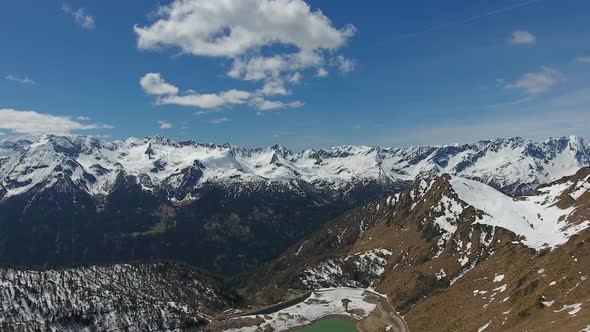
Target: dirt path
point(383, 318)
point(279, 306)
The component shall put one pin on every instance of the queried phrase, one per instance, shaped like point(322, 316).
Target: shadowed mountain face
point(67, 200)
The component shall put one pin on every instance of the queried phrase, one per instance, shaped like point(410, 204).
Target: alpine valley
point(152, 234)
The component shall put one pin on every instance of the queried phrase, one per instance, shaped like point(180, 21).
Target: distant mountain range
point(75, 199)
point(515, 166)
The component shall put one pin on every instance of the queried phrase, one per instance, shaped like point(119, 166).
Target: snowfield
point(535, 218)
point(346, 302)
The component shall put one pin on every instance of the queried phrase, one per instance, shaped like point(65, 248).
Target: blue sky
point(396, 73)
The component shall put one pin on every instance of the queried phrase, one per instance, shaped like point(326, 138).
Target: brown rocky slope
point(495, 263)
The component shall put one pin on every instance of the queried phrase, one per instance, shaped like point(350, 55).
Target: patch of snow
point(484, 327)
point(440, 275)
point(447, 222)
point(370, 264)
point(572, 309)
point(500, 289)
point(532, 218)
point(348, 302)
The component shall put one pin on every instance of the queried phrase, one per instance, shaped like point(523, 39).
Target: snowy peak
point(568, 192)
point(515, 166)
point(545, 219)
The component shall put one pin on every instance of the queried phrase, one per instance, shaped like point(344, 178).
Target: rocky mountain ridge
point(455, 254)
point(177, 170)
point(451, 254)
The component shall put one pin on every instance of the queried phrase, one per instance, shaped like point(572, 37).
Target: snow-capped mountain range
point(514, 166)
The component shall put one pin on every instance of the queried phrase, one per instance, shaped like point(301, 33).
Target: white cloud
point(82, 118)
point(20, 79)
point(583, 59)
point(345, 65)
point(268, 105)
point(153, 84)
point(168, 94)
point(242, 30)
point(537, 82)
point(80, 16)
point(206, 101)
point(29, 122)
point(295, 78)
point(257, 68)
point(322, 72)
point(275, 87)
point(219, 120)
point(231, 28)
point(165, 125)
point(522, 37)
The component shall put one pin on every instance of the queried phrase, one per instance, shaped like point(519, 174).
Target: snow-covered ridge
point(538, 219)
point(144, 297)
point(514, 165)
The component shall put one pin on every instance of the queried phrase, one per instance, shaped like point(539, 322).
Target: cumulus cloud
point(85, 20)
point(537, 82)
point(233, 28)
point(245, 32)
point(29, 122)
point(522, 37)
point(154, 84)
point(219, 120)
point(168, 94)
point(20, 79)
point(165, 125)
point(583, 59)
